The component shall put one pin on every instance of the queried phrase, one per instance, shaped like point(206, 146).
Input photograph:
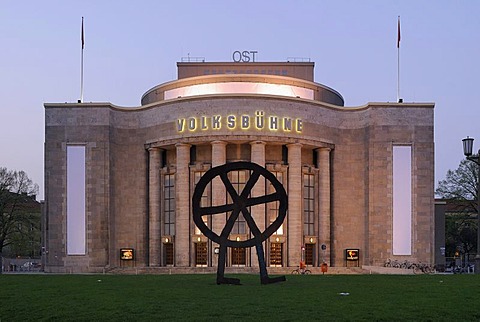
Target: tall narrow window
point(308, 204)
point(272, 207)
point(402, 200)
point(169, 205)
point(205, 201)
point(76, 232)
point(238, 180)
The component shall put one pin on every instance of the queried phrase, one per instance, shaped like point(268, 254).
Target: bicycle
point(423, 268)
point(303, 271)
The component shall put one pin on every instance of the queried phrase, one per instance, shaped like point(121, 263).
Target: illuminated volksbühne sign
point(259, 121)
point(352, 254)
point(126, 254)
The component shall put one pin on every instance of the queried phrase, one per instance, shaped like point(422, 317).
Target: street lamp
point(468, 151)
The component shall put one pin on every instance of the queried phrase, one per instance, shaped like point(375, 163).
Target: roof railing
point(298, 59)
point(189, 59)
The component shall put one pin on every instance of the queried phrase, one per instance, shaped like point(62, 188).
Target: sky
point(132, 46)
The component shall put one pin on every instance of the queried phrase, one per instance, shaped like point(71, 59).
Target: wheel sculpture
point(241, 202)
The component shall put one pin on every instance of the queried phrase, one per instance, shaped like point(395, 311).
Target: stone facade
point(129, 151)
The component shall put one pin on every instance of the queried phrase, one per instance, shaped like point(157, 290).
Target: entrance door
point(309, 254)
point(276, 255)
point(239, 257)
point(168, 254)
point(201, 254)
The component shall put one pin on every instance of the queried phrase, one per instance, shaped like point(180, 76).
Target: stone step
point(231, 270)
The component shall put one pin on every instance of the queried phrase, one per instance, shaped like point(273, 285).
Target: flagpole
point(398, 61)
point(81, 66)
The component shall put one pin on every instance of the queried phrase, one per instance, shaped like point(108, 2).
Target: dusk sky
point(132, 46)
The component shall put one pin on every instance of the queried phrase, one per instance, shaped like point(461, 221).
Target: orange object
point(302, 265)
point(324, 267)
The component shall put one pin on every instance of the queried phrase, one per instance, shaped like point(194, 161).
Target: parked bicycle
point(423, 268)
point(463, 269)
point(394, 263)
point(418, 268)
point(302, 269)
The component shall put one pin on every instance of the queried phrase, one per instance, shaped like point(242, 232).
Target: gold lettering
point(273, 123)
point(216, 119)
point(287, 124)
point(259, 120)
point(231, 121)
point(245, 122)
point(180, 125)
point(204, 123)
point(192, 124)
point(299, 125)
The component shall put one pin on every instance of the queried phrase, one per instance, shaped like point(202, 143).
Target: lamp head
point(468, 146)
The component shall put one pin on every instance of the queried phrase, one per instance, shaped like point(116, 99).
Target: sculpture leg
point(264, 279)
point(221, 279)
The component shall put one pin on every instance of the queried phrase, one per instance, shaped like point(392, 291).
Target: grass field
point(198, 298)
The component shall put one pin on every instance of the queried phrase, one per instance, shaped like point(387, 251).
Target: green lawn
point(197, 297)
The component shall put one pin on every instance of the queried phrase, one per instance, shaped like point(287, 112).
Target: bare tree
point(460, 188)
point(461, 184)
point(15, 210)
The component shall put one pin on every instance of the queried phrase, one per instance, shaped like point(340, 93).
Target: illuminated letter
point(239, 56)
point(192, 123)
point(245, 121)
point(216, 122)
point(299, 125)
point(259, 120)
point(287, 124)
point(273, 123)
point(180, 125)
point(231, 122)
point(204, 123)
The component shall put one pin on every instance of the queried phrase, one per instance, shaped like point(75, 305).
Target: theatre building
point(119, 181)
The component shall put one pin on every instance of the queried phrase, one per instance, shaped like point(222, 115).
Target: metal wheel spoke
point(215, 210)
point(263, 199)
point(250, 183)
point(251, 223)
point(229, 187)
point(230, 222)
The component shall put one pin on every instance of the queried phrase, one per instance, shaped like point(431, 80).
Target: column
point(182, 206)
point(294, 217)
point(154, 213)
point(323, 164)
point(258, 211)
point(219, 157)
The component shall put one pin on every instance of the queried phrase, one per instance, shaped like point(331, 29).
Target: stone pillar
point(323, 164)
point(219, 157)
point(182, 206)
point(154, 213)
point(258, 211)
point(295, 215)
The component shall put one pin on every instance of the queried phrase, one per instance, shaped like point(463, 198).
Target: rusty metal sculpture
point(241, 203)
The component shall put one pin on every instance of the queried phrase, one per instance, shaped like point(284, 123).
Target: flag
point(83, 36)
point(398, 33)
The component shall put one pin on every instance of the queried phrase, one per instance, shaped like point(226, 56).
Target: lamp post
point(468, 151)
